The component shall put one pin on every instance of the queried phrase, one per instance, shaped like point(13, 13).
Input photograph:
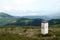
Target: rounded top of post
point(44, 22)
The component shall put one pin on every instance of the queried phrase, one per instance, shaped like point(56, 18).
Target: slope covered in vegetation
point(27, 33)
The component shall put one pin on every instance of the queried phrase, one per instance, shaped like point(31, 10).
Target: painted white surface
point(44, 28)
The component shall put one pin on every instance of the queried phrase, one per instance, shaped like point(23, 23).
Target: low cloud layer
point(30, 7)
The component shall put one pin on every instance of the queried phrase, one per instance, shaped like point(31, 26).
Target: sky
point(30, 7)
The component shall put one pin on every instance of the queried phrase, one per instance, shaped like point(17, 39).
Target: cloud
point(32, 6)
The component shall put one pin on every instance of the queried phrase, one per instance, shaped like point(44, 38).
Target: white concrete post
point(44, 27)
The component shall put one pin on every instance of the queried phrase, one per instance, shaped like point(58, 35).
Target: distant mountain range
point(37, 17)
point(6, 19)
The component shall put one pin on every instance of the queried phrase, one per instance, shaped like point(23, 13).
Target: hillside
point(6, 19)
point(54, 21)
point(27, 22)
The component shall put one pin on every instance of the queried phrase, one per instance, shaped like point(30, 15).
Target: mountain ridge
point(6, 19)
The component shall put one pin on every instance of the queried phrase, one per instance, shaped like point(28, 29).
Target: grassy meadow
point(28, 33)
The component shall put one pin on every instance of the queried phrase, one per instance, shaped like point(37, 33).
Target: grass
point(14, 37)
point(8, 36)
